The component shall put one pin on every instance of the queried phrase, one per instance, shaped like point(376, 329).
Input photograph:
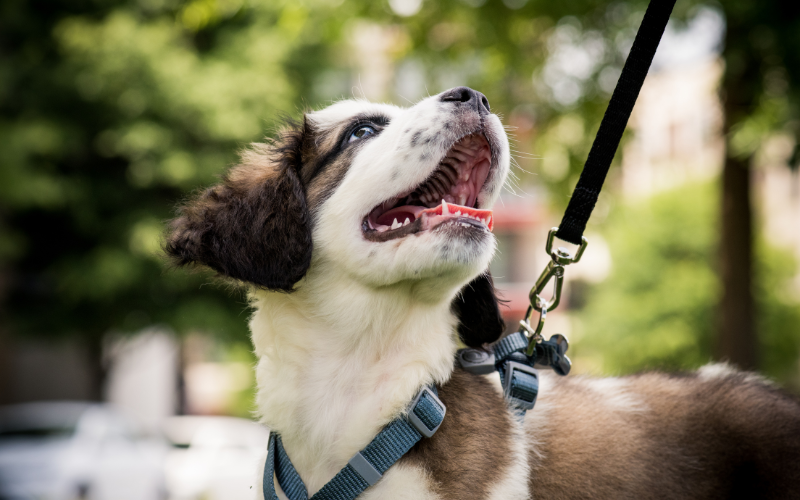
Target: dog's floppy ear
point(478, 312)
point(254, 226)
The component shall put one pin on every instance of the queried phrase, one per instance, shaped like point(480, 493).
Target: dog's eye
point(361, 132)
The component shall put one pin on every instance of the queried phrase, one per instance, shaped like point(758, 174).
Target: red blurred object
point(516, 216)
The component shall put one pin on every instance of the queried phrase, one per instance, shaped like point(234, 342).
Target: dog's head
point(383, 195)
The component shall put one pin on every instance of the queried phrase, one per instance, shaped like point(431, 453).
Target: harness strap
point(518, 375)
point(425, 415)
point(508, 345)
point(519, 379)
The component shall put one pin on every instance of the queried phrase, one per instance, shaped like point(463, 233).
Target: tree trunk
point(736, 340)
point(736, 337)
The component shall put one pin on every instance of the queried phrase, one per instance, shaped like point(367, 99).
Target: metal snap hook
point(554, 270)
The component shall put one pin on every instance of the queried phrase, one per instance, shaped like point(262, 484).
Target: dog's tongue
point(400, 214)
point(450, 210)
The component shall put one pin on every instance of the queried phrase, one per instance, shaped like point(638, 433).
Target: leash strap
point(368, 465)
point(516, 356)
point(614, 121)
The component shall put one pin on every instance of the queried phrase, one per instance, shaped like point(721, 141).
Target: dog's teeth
point(445, 211)
point(396, 224)
point(462, 199)
point(488, 221)
point(458, 213)
point(407, 222)
point(437, 184)
point(450, 172)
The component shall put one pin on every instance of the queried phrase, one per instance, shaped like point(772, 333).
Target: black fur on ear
point(478, 312)
point(255, 225)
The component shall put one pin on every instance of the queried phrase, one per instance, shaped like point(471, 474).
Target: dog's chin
point(459, 253)
point(430, 265)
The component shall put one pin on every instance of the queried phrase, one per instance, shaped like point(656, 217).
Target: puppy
point(364, 235)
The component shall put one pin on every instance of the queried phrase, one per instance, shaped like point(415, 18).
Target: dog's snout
point(468, 96)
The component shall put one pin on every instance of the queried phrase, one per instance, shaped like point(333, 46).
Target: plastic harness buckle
point(427, 412)
point(521, 385)
point(476, 361)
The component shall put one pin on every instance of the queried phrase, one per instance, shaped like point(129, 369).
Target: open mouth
point(449, 195)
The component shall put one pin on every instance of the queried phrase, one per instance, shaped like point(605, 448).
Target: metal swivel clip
point(559, 258)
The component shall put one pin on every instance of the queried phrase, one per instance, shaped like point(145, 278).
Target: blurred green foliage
point(657, 308)
point(112, 111)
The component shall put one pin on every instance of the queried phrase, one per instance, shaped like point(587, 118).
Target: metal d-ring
point(562, 255)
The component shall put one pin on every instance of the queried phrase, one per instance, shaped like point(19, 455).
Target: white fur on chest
point(401, 482)
point(329, 382)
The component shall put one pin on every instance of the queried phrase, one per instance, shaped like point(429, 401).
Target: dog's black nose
point(471, 97)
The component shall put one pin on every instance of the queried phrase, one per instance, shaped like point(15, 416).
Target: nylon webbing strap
point(524, 387)
point(508, 345)
point(366, 467)
point(386, 449)
point(614, 121)
point(287, 476)
point(521, 385)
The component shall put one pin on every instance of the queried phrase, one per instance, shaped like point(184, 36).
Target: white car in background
point(72, 450)
point(214, 458)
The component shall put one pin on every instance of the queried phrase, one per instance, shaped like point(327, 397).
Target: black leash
point(614, 121)
point(517, 356)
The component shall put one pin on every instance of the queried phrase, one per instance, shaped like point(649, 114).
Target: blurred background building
point(111, 112)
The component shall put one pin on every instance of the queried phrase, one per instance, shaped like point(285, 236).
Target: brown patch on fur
point(328, 177)
point(326, 160)
point(255, 225)
point(727, 437)
point(472, 449)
